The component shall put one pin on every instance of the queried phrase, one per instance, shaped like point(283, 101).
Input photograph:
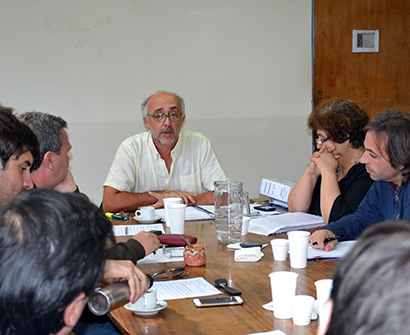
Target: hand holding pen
point(327, 240)
point(324, 239)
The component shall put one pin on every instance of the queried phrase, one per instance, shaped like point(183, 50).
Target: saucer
point(155, 219)
point(147, 312)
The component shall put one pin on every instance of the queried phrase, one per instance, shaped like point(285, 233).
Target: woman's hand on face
point(313, 169)
point(324, 160)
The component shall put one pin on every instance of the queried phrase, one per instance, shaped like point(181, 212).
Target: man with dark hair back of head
point(52, 256)
point(371, 293)
point(387, 160)
point(19, 155)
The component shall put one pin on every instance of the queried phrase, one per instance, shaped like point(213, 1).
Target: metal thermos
point(110, 297)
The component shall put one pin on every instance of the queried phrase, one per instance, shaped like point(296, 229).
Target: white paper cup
point(147, 301)
point(302, 309)
point(323, 291)
point(283, 287)
point(245, 225)
point(145, 213)
point(167, 202)
point(177, 218)
point(298, 246)
point(280, 248)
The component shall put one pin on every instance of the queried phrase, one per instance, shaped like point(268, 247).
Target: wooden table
point(182, 317)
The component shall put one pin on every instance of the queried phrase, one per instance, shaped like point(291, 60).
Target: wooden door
point(375, 81)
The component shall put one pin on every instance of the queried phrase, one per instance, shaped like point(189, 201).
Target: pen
point(203, 210)
point(329, 239)
point(116, 216)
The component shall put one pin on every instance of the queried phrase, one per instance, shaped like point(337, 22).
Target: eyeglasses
point(320, 141)
point(160, 117)
point(170, 274)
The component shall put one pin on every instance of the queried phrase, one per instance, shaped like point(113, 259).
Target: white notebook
point(276, 224)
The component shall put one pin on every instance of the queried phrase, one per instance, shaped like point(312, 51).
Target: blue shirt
point(382, 203)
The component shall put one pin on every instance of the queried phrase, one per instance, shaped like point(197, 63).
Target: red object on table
point(194, 255)
point(175, 240)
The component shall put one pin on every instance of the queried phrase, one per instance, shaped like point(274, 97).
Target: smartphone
point(218, 301)
point(250, 244)
point(266, 208)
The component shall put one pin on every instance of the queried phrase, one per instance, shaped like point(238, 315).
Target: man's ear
point(74, 310)
point(325, 317)
point(48, 159)
point(147, 124)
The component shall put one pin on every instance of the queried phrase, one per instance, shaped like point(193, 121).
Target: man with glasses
point(163, 162)
point(387, 160)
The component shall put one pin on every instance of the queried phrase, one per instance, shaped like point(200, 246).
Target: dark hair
point(342, 119)
point(52, 248)
point(47, 128)
point(16, 139)
point(371, 291)
point(392, 131)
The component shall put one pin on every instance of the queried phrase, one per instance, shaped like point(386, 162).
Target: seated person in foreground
point(54, 173)
point(387, 160)
point(52, 257)
point(163, 162)
point(370, 293)
point(334, 183)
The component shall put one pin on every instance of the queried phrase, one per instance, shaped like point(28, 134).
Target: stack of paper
point(276, 224)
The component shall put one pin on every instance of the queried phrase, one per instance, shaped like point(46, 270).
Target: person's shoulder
point(137, 138)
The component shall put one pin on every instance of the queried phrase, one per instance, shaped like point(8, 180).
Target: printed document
point(164, 255)
point(132, 229)
point(184, 288)
point(338, 252)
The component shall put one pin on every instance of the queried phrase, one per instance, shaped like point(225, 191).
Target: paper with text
point(184, 288)
point(132, 229)
point(170, 254)
point(339, 251)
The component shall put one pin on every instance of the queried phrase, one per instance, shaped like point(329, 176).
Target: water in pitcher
point(228, 211)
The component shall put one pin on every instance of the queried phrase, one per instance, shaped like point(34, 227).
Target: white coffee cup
point(302, 309)
point(280, 249)
point(323, 291)
point(147, 301)
point(167, 202)
point(177, 218)
point(145, 213)
point(283, 288)
point(298, 246)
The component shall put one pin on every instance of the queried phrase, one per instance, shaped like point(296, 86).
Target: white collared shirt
point(138, 167)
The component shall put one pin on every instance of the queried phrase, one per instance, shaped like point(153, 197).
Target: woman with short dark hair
point(334, 183)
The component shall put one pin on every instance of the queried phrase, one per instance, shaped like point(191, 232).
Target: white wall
point(243, 68)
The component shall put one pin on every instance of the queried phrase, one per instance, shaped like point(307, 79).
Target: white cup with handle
point(147, 301)
point(145, 213)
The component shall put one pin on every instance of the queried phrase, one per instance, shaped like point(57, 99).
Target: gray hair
point(144, 109)
point(47, 128)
